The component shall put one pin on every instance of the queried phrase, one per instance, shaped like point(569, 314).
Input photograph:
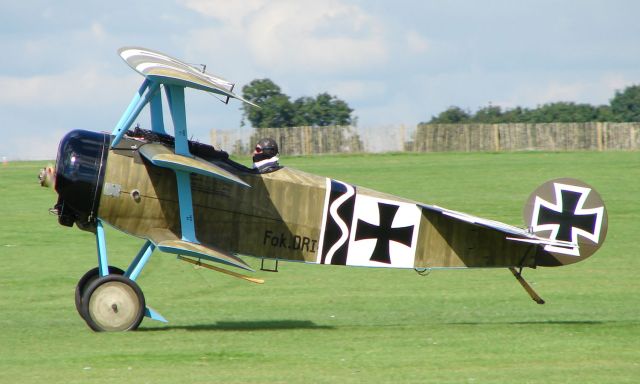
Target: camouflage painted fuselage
point(292, 215)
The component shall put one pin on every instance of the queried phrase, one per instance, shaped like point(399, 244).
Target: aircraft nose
point(79, 176)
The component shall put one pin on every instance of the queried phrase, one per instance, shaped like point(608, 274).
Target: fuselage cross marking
point(384, 233)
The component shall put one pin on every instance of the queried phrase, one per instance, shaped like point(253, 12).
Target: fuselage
point(287, 214)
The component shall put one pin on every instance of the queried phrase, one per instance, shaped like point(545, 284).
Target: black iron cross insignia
point(567, 216)
point(383, 233)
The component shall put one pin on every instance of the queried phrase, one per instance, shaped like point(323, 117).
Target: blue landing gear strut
point(108, 298)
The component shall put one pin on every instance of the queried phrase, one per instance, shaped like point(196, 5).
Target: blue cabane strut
point(148, 93)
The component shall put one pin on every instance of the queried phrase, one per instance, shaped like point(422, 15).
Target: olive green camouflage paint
point(279, 217)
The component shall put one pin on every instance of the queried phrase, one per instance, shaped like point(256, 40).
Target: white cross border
point(580, 210)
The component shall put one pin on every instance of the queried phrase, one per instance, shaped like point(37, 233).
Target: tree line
point(623, 107)
point(278, 111)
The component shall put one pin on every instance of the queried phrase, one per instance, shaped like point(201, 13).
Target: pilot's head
point(265, 149)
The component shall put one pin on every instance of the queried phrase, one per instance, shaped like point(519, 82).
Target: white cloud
point(68, 89)
point(321, 36)
point(229, 12)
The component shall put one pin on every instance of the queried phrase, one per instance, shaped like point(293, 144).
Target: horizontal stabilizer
point(163, 156)
point(168, 242)
point(543, 241)
point(479, 221)
point(510, 231)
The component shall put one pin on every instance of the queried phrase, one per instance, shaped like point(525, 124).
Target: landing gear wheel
point(113, 303)
point(89, 278)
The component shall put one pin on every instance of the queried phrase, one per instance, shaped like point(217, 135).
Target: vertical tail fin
point(566, 210)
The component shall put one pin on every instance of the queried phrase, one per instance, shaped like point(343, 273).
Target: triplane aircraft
point(189, 199)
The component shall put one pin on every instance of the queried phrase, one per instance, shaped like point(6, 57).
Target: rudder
point(567, 210)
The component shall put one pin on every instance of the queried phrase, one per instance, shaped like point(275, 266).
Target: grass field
point(323, 324)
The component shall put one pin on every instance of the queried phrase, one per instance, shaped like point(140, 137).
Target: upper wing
point(165, 69)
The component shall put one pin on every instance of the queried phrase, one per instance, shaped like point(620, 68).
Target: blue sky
point(394, 62)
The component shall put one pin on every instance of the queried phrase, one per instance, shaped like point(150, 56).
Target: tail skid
point(518, 275)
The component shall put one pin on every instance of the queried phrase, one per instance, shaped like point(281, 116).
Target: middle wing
point(162, 156)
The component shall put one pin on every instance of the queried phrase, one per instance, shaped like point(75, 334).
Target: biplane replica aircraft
point(189, 199)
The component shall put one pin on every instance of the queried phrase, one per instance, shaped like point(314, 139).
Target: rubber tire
point(115, 299)
point(89, 278)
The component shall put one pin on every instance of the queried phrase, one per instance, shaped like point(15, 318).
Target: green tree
point(625, 105)
point(564, 112)
point(605, 113)
point(516, 115)
point(276, 110)
point(452, 115)
point(304, 113)
point(488, 115)
point(329, 110)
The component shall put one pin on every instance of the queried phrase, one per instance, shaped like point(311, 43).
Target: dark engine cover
point(80, 170)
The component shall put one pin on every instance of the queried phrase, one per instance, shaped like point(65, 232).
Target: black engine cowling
point(80, 170)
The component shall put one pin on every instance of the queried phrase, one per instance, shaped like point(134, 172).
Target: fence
point(293, 140)
point(522, 137)
point(437, 138)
